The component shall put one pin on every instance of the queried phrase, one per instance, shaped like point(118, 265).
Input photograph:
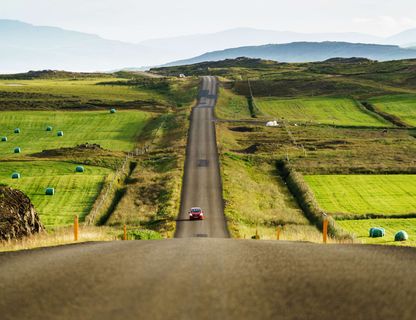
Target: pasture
point(334, 111)
point(360, 228)
point(355, 195)
point(116, 132)
point(76, 88)
point(402, 106)
point(75, 192)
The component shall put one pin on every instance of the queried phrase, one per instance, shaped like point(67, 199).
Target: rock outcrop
point(18, 217)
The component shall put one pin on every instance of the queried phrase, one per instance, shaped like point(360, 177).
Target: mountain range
point(306, 52)
point(26, 47)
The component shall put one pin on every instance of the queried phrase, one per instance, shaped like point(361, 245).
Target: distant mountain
point(201, 43)
point(406, 38)
point(24, 47)
point(306, 52)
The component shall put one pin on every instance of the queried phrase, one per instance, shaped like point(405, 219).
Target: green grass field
point(360, 228)
point(231, 106)
point(84, 89)
point(402, 106)
point(365, 194)
point(336, 111)
point(112, 131)
point(75, 192)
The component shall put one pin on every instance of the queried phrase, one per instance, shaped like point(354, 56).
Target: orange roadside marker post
point(325, 230)
point(125, 233)
point(278, 233)
point(76, 228)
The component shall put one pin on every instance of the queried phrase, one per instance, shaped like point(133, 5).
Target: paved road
point(202, 182)
point(209, 279)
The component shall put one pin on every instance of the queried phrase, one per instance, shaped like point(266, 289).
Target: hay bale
point(18, 217)
point(49, 128)
point(17, 130)
point(377, 232)
point(50, 191)
point(80, 169)
point(4, 139)
point(60, 133)
point(15, 175)
point(401, 236)
point(17, 150)
point(113, 110)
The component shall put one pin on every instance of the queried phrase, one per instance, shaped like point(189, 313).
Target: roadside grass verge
point(334, 111)
point(360, 229)
point(231, 106)
point(355, 195)
point(75, 192)
point(401, 106)
point(152, 190)
point(116, 132)
point(62, 236)
point(262, 201)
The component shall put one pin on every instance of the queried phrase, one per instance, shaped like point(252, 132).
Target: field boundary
point(306, 200)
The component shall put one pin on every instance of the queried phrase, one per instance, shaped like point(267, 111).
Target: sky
point(137, 20)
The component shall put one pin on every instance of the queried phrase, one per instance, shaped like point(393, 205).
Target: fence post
point(125, 233)
point(76, 228)
point(325, 230)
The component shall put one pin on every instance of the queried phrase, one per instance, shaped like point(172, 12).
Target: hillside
point(307, 52)
point(25, 46)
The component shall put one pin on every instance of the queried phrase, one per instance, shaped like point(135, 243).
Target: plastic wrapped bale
point(401, 236)
point(4, 139)
point(49, 128)
point(60, 133)
point(17, 130)
point(50, 191)
point(80, 169)
point(15, 175)
point(377, 232)
point(17, 150)
point(113, 110)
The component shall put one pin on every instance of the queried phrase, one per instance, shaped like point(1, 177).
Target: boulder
point(18, 217)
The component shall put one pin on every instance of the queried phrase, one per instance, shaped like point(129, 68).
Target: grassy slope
point(112, 131)
point(365, 194)
point(262, 201)
point(75, 192)
point(231, 106)
point(337, 111)
point(402, 106)
point(86, 89)
point(360, 228)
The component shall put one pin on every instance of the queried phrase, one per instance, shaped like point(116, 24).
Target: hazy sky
point(135, 20)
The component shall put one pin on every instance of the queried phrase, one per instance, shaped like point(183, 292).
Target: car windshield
point(195, 210)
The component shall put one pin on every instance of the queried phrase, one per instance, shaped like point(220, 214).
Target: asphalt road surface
point(202, 181)
point(209, 279)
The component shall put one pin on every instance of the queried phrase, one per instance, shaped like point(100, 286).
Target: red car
point(196, 214)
